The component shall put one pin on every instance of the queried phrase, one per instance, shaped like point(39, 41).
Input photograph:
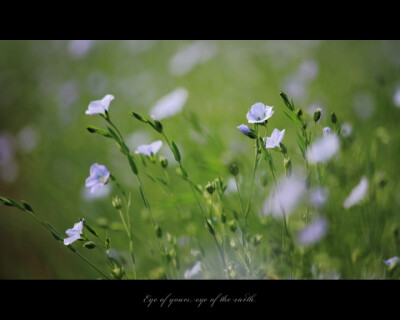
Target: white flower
point(275, 139)
point(189, 273)
point(285, 197)
point(148, 149)
point(326, 131)
point(392, 262)
point(314, 232)
point(74, 233)
point(100, 106)
point(318, 196)
point(259, 113)
point(323, 149)
point(357, 194)
point(170, 104)
point(346, 130)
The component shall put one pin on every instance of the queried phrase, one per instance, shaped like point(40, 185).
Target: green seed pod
point(89, 245)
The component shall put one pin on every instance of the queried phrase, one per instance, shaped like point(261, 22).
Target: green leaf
point(11, 203)
point(175, 151)
point(89, 245)
point(302, 143)
point(184, 172)
point(90, 229)
point(113, 134)
point(286, 101)
point(139, 117)
point(163, 181)
point(27, 206)
point(292, 118)
point(93, 129)
point(54, 232)
point(132, 164)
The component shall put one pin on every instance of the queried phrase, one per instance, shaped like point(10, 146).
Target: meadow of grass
point(46, 152)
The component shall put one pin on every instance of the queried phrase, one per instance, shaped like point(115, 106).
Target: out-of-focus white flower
point(364, 105)
point(74, 233)
point(231, 188)
point(396, 97)
point(308, 70)
point(98, 193)
point(100, 106)
point(392, 262)
point(323, 149)
point(27, 139)
point(170, 104)
point(80, 48)
point(285, 197)
point(346, 130)
point(326, 131)
point(193, 271)
point(188, 57)
point(319, 196)
point(275, 139)
point(313, 233)
point(148, 149)
point(357, 194)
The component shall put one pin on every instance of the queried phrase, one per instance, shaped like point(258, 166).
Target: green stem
point(91, 264)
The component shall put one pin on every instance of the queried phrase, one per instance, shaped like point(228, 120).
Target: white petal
point(357, 194)
point(106, 101)
point(155, 146)
point(170, 104)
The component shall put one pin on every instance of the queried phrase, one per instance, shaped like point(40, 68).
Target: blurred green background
point(46, 152)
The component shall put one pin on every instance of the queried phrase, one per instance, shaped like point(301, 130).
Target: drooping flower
point(323, 149)
point(148, 149)
point(189, 273)
point(285, 197)
point(313, 232)
point(357, 194)
point(170, 104)
point(259, 113)
point(74, 233)
point(275, 139)
point(100, 106)
point(326, 131)
point(98, 177)
point(392, 261)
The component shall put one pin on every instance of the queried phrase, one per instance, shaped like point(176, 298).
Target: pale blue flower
point(148, 149)
point(313, 232)
point(100, 106)
point(318, 196)
point(74, 233)
point(275, 139)
point(259, 113)
point(193, 271)
point(170, 104)
point(392, 262)
point(326, 131)
point(98, 177)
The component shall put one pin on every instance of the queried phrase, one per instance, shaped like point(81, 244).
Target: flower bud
point(223, 217)
point(233, 169)
point(333, 118)
point(89, 245)
point(232, 225)
point(158, 231)
point(210, 186)
point(163, 162)
point(317, 115)
point(299, 113)
point(116, 202)
point(117, 273)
